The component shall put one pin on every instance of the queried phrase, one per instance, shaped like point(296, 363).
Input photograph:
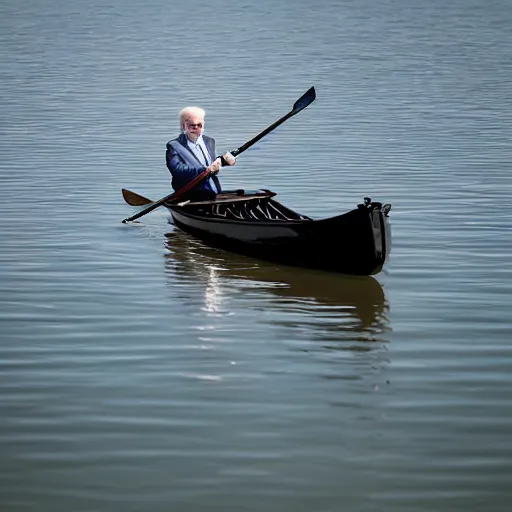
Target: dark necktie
point(214, 177)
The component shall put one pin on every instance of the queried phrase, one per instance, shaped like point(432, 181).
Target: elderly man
point(192, 153)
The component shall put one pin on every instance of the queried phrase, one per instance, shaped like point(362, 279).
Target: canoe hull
point(357, 242)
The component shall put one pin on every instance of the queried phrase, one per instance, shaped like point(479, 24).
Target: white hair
point(186, 112)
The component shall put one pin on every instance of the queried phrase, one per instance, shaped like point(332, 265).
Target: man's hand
point(215, 165)
point(229, 159)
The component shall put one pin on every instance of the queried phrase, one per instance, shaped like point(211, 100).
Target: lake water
point(143, 371)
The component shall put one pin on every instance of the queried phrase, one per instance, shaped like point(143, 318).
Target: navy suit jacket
point(185, 166)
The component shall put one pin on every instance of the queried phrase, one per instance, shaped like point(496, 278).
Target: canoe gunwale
point(183, 209)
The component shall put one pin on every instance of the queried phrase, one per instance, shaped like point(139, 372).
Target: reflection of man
point(192, 153)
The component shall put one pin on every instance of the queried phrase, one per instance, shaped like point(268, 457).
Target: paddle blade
point(134, 199)
point(305, 100)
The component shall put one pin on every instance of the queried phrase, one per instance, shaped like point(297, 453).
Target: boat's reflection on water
point(330, 306)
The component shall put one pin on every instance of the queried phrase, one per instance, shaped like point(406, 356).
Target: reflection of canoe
point(360, 298)
point(356, 242)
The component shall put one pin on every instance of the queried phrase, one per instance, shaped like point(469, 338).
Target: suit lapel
point(182, 139)
point(210, 146)
point(208, 142)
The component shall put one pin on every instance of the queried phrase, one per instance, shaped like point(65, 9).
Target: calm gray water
point(142, 371)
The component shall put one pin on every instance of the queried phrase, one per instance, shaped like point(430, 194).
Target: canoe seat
point(244, 205)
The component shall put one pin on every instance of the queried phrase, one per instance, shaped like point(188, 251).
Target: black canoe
point(255, 224)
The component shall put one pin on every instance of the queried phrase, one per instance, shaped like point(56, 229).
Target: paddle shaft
point(305, 100)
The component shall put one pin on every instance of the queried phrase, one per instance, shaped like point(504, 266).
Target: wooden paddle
point(306, 99)
point(134, 199)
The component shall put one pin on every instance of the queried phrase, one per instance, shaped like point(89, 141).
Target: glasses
point(197, 125)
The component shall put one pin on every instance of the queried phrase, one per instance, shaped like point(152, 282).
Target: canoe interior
point(254, 206)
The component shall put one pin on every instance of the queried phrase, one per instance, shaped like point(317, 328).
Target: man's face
point(194, 126)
